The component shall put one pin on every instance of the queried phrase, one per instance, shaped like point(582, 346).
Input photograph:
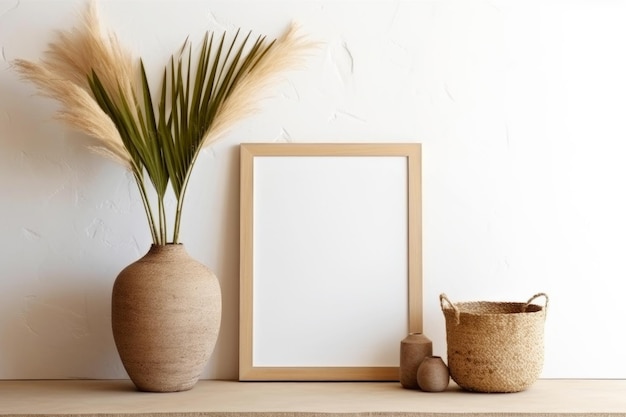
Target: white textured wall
point(519, 105)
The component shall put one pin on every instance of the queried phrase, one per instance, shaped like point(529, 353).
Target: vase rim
point(169, 247)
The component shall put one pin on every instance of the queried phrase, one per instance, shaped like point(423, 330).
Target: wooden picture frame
point(330, 246)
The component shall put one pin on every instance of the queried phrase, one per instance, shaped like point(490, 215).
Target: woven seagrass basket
point(494, 346)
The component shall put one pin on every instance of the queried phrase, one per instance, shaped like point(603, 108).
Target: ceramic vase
point(433, 374)
point(166, 313)
point(413, 349)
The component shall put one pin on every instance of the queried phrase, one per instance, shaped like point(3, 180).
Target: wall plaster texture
point(519, 106)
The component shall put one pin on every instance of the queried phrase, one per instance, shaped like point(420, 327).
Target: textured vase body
point(413, 349)
point(433, 374)
point(166, 313)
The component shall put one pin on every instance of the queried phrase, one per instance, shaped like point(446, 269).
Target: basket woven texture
point(494, 346)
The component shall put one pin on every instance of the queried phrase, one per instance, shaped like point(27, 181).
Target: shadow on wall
point(60, 333)
point(223, 234)
point(48, 329)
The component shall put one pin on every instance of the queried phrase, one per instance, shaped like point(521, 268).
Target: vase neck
point(168, 248)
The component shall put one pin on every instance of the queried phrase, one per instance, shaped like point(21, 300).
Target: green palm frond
point(126, 124)
point(202, 94)
point(196, 100)
point(165, 142)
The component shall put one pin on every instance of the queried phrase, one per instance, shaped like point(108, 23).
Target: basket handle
point(541, 294)
point(457, 314)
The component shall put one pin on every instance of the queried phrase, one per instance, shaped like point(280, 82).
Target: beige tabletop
point(231, 398)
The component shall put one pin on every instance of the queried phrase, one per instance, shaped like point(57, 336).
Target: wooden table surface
point(119, 397)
